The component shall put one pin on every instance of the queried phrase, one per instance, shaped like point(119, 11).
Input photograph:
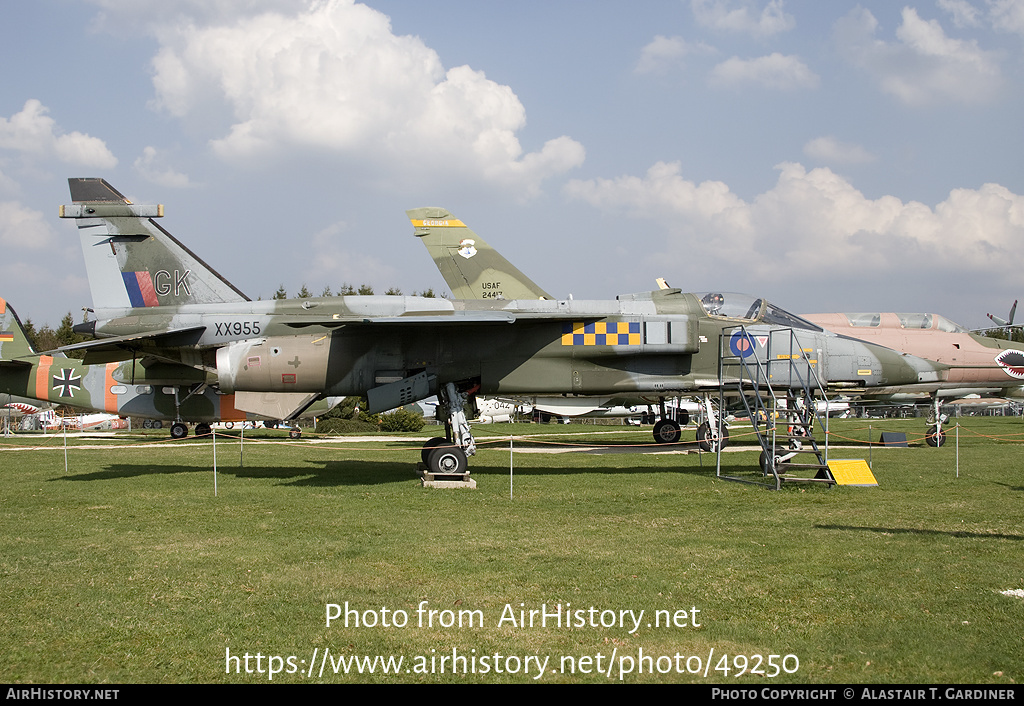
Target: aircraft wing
point(108, 350)
point(456, 318)
point(118, 348)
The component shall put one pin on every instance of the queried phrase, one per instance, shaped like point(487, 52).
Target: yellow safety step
point(851, 472)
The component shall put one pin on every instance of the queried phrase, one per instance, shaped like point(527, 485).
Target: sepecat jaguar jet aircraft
point(154, 300)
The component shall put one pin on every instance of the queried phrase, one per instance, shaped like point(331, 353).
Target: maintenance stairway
point(777, 389)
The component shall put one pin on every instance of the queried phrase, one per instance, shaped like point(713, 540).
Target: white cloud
point(1007, 15)
point(334, 77)
point(774, 71)
point(23, 228)
point(829, 149)
point(152, 167)
point(743, 16)
point(964, 14)
point(666, 53)
point(924, 65)
point(335, 265)
point(8, 186)
point(34, 132)
point(818, 219)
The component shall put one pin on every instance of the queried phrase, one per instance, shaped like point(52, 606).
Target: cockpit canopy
point(729, 305)
point(907, 321)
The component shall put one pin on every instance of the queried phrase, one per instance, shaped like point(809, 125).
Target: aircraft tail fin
point(14, 344)
point(133, 262)
point(471, 267)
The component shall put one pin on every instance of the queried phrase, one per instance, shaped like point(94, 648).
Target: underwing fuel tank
point(281, 364)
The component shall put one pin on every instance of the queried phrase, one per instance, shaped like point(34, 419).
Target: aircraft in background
point(558, 408)
point(1006, 323)
point(156, 301)
point(976, 364)
point(126, 389)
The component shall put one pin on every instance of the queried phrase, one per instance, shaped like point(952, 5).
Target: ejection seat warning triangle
point(852, 472)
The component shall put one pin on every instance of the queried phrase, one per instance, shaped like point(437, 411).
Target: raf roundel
point(742, 344)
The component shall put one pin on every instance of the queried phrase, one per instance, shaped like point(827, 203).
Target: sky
point(835, 156)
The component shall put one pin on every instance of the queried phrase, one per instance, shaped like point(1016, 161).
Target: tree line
point(348, 290)
point(48, 339)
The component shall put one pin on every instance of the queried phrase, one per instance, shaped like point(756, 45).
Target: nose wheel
point(708, 438)
point(935, 436)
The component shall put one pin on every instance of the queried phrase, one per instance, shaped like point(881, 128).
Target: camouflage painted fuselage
point(155, 300)
point(128, 389)
point(661, 342)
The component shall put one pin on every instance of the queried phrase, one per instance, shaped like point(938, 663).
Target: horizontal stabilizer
point(94, 189)
point(106, 350)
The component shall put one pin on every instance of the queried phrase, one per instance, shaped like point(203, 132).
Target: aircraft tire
point(202, 429)
point(448, 460)
point(430, 446)
point(683, 418)
point(179, 430)
point(935, 437)
point(147, 423)
point(706, 438)
point(157, 424)
point(667, 431)
point(294, 433)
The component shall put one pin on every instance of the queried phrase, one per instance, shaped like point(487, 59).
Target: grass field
point(126, 568)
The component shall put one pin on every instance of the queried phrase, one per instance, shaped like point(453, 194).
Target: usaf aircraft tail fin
point(14, 343)
point(133, 262)
point(471, 267)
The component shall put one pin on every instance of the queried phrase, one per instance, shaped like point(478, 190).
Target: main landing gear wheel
point(447, 460)
point(430, 446)
point(935, 437)
point(203, 429)
point(667, 431)
point(707, 438)
point(295, 433)
point(179, 430)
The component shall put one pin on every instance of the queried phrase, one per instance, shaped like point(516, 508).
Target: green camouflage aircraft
point(156, 301)
point(473, 269)
point(975, 365)
point(166, 392)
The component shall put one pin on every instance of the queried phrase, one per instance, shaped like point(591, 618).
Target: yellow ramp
point(852, 472)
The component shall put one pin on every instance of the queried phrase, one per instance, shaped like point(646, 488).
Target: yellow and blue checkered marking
point(602, 333)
